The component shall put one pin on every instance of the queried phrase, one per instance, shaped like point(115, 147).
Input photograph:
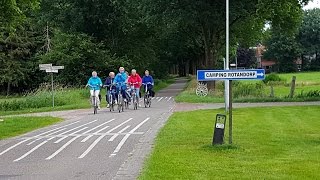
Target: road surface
point(108, 145)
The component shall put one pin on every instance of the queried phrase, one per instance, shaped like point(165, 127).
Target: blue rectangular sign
point(245, 74)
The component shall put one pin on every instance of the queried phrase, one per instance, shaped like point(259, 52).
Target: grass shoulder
point(307, 89)
point(65, 99)
point(14, 126)
point(272, 143)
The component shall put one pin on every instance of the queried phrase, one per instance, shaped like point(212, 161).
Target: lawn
point(305, 82)
point(13, 126)
point(65, 99)
point(273, 143)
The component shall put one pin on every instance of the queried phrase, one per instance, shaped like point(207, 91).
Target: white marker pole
point(227, 57)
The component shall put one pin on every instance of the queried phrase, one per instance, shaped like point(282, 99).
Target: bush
point(272, 78)
point(248, 90)
point(309, 94)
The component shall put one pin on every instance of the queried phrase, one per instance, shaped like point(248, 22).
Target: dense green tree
point(12, 12)
point(309, 37)
point(80, 54)
point(16, 50)
point(285, 49)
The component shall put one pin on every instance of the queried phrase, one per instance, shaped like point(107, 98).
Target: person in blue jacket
point(148, 80)
point(120, 81)
point(95, 84)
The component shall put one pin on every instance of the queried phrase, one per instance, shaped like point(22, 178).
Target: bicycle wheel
point(119, 102)
point(134, 101)
point(145, 100)
point(110, 102)
point(95, 111)
point(123, 104)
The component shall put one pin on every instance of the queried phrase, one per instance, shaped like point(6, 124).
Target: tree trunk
point(187, 67)
point(209, 57)
point(8, 88)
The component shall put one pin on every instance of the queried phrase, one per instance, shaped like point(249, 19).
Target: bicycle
point(147, 98)
point(94, 99)
point(111, 97)
point(134, 96)
point(120, 98)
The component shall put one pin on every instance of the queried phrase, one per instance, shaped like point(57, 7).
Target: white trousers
point(96, 94)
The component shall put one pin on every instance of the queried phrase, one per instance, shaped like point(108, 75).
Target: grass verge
point(273, 143)
point(13, 126)
point(307, 89)
point(65, 99)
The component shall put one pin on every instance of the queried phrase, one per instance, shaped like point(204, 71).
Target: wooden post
point(230, 112)
point(293, 86)
point(272, 91)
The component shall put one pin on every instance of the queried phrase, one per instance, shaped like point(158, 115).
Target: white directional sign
point(45, 66)
point(52, 70)
point(57, 67)
point(210, 75)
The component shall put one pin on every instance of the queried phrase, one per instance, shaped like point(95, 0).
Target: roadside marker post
point(51, 69)
point(230, 75)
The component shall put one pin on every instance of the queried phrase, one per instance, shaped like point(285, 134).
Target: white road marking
point(75, 128)
point(13, 146)
point(63, 147)
point(157, 97)
point(56, 129)
point(100, 138)
point(160, 99)
point(88, 137)
point(61, 139)
point(116, 135)
point(165, 97)
point(102, 129)
point(46, 136)
point(29, 152)
point(91, 146)
point(124, 139)
point(169, 98)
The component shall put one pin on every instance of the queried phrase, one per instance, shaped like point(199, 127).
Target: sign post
point(51, 69)
point(230, 75)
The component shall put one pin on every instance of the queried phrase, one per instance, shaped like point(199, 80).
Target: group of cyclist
point(123, 83)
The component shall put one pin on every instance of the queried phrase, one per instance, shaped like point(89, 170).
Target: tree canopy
point(162, 36)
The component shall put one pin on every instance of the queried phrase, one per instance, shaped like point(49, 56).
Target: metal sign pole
point(227, 56)
point(51, 69)
point(52, 90)
point(230, 112)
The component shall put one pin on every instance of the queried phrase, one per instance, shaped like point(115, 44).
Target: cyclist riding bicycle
point(111, 89)
point(136, 81)
point(95, 83)
point(120, 81)
point(148, 80)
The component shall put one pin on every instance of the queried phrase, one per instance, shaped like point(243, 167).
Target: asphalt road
point(108, 145)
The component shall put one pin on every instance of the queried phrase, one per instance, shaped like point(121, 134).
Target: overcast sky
point(313, 4)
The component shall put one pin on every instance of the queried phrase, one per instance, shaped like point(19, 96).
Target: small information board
point(247, 74)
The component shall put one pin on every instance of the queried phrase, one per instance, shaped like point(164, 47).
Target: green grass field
point(13, 126)
point(65, 99)
point(305, 82)
point(269, 143)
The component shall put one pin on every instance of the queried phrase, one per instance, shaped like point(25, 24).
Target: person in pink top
point(135, 81)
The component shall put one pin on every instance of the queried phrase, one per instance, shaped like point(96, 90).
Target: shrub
point(248, 89)
point(313, 93)
point(272, 78)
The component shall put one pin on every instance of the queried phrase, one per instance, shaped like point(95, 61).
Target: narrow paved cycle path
point(108, 145)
